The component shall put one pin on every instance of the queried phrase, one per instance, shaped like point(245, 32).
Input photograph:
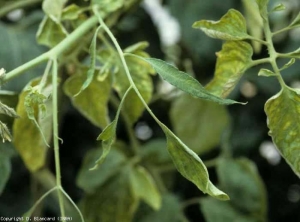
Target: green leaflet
point(263, 8)
point(71, 12)
point(108, 135)
point(90, 180)
point(145, 188)
point(279, 7)
point(184, 81)
point(232, 26)
point(190, 165)
point(92, 102)
point(27, 137)
point(296, 22)
point(283, 114)
point(50, 32)
point(113, 201)
point(266, 73)
point(288, 64)
point(233, 60)
point(108, 6)
point(91, 71)
point(53, 8)
point(201, 126)
point(241, 180)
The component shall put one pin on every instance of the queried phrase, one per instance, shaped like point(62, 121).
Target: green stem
point(56, 51)
point(189, 202)
point(45, 76)
point(272, 52)
point(282, 30)
point(55, 135)
point(16, 5)
point(260, 61)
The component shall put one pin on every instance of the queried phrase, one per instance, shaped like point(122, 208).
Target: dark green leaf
point(296, 22)
point(218, 211)
point(27, 137)
point(241, 180)
point(91, 71)
point(50, 33)
point(266, 73)
point(201, 126)
point(233, 60)
point(145, 188)
point(263, 8)
point(89, 180)
point(283, 114)
point(92, 102)
point(190, 165)
point(184, 81)
point(53, 8)
point(108, 135)
point(232, 26)
point(113, 201)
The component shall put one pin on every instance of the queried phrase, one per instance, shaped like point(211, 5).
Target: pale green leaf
point(108, 6)
point(92, 102)
point(190, 165)
point(232, 26)
point(90, 180)
point(171, 210)
point(289, 64)
point(233, 60)
point(266, 73)
point(263, 8)
point(279, 7)
point(241, 180)
point(53, 8)
point(113, 201)
point(91, 70)
point(5, 169)
point(201, 126)
point(283, 112)
point(296, 22)
point(254, 23)
point(71, 12)
point(27, 138)
point(184, 81)
point(219, 211)
point(145, 188)
point(50, 33)
point(108, 135)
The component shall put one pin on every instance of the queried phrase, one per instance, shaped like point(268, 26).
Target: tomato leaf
point(232, 26)
point(283, 114)
point(233, 60)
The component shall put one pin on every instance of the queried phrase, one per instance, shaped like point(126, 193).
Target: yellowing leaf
point(233, 60)
point(190, 165)
point(142, 181)
point(27, 137)
point(50, 33)
point(184, 81)
point(201, 126)
point(283, 112)
point(232, 26)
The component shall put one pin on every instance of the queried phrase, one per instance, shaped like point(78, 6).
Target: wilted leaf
point(184, 81)
point(27, 137)
point(219, 211)
point(53, 8)
point(263, 8)
point(201, 126)
point(92, 102)
point(91, 70)
point(190, 165)
point(145, 188)
point(232, 26)
point(233, 60)
point(50, 33)
point(90, 180)
point(170, 210)
point(283, 112)
point(241, 180)
point(108, 135)
point(113, 201)
point(296, 22)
